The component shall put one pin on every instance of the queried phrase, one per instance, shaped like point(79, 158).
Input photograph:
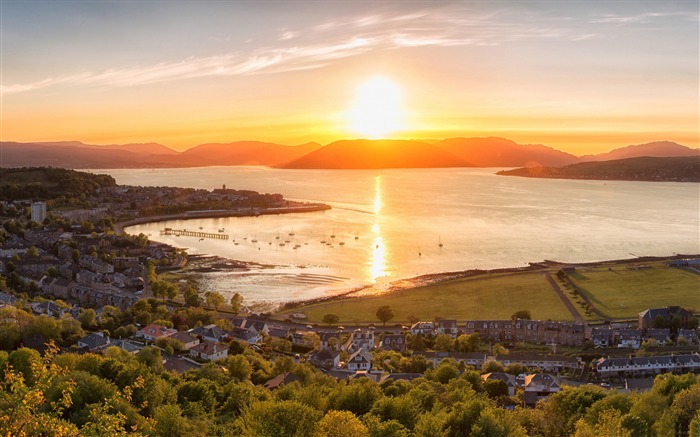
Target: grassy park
point(495, 296)
point(616, 291)
point(620, 292)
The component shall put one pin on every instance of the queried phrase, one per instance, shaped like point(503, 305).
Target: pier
point(186, 233)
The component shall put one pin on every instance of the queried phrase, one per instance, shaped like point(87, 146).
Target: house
point(48, 308)
point(209, 332)
point(278, 332)
point(539, 386)
point(629, 338)
point(209, 350)
point(300, 338)
point(255, 325)
point(153, 332)
point(180, 364)
point(360, 360)
point(548, 363)
point(188, 340)
point(689, 334)
point(447, 327)
point(361, 340)
point(246, 335)
point(394, 342)
point(530, 331)
point(325, 358)
point(647, 317)
point(508, 379)
point(126, 345)
point(326, 340)
point(94, 341)
point(423, 328)
point(281, 379)
point(602, 337)
point(475, 359)
point(647, 366)
point(661, 335)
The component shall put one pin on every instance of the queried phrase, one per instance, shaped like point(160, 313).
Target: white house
point(360, 360)
point(210, 351)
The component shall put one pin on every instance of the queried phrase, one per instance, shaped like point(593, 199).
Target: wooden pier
point(186, 233)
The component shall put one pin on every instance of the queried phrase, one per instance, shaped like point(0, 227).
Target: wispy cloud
point(319, 45)
point(638, 18)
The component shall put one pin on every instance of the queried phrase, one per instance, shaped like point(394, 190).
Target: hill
point(41, 183)
point(672, 169)
point(657, 149)
point(501, 152)
point(244, 153)
point(361, 154)
point(78, 155)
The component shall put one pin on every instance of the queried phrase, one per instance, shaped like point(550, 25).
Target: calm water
point(391, 223)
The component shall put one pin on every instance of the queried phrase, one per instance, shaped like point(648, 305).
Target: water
point(392, 221)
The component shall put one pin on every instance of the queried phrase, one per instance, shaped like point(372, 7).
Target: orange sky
point(583, 77)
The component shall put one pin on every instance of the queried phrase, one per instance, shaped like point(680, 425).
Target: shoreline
point(247, 212)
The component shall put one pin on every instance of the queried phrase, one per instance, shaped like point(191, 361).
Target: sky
point(579, 76)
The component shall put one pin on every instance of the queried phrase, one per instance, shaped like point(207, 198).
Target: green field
point(495, 296)
point(623, 293)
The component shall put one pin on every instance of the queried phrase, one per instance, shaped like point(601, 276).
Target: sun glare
point(376, 110)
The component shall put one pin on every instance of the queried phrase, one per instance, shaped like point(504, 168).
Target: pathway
point(570, 306)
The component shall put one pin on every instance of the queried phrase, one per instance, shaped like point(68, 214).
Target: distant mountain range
point(345, 154)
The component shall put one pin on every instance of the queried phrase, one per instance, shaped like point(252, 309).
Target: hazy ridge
point(343, 154)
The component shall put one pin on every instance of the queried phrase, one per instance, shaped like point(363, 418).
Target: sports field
point(622, 292)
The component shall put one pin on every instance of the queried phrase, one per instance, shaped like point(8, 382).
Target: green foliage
point(279, 418)
point(385, 313)
point(521, 314)
point(45, 183)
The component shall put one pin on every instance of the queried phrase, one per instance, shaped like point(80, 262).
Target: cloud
point(638, 18)
point(317, 46)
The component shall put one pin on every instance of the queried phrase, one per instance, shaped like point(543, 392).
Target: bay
point(392, 222)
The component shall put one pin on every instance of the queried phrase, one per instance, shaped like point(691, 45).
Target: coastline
point(240, 212)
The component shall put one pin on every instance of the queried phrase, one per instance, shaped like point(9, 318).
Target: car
point(372, 328)
point(341, 328)
point(297, 356)
point(605, 385)
point(309, 327)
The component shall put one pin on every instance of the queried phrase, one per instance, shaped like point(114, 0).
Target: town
point(73, 285)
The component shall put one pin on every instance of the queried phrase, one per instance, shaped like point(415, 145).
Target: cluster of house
point(622, 336)
point(87, 281)
point(518, 330)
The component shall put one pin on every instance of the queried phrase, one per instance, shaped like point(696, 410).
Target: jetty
point(186, 233)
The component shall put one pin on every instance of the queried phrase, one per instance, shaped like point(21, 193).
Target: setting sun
point(376, 110)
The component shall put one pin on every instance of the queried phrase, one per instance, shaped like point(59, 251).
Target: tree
point(192, 298)
point(279, 418)
point(330, 319)
point(236, 302)
point(384, 314)
point(522, 314)
point(340, 424)
point(443, 342)
point(169, 421)
point(214, 299)
point(492, 366)
point(659, 321)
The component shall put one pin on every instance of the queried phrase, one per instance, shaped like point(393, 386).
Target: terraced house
point(529, 331)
